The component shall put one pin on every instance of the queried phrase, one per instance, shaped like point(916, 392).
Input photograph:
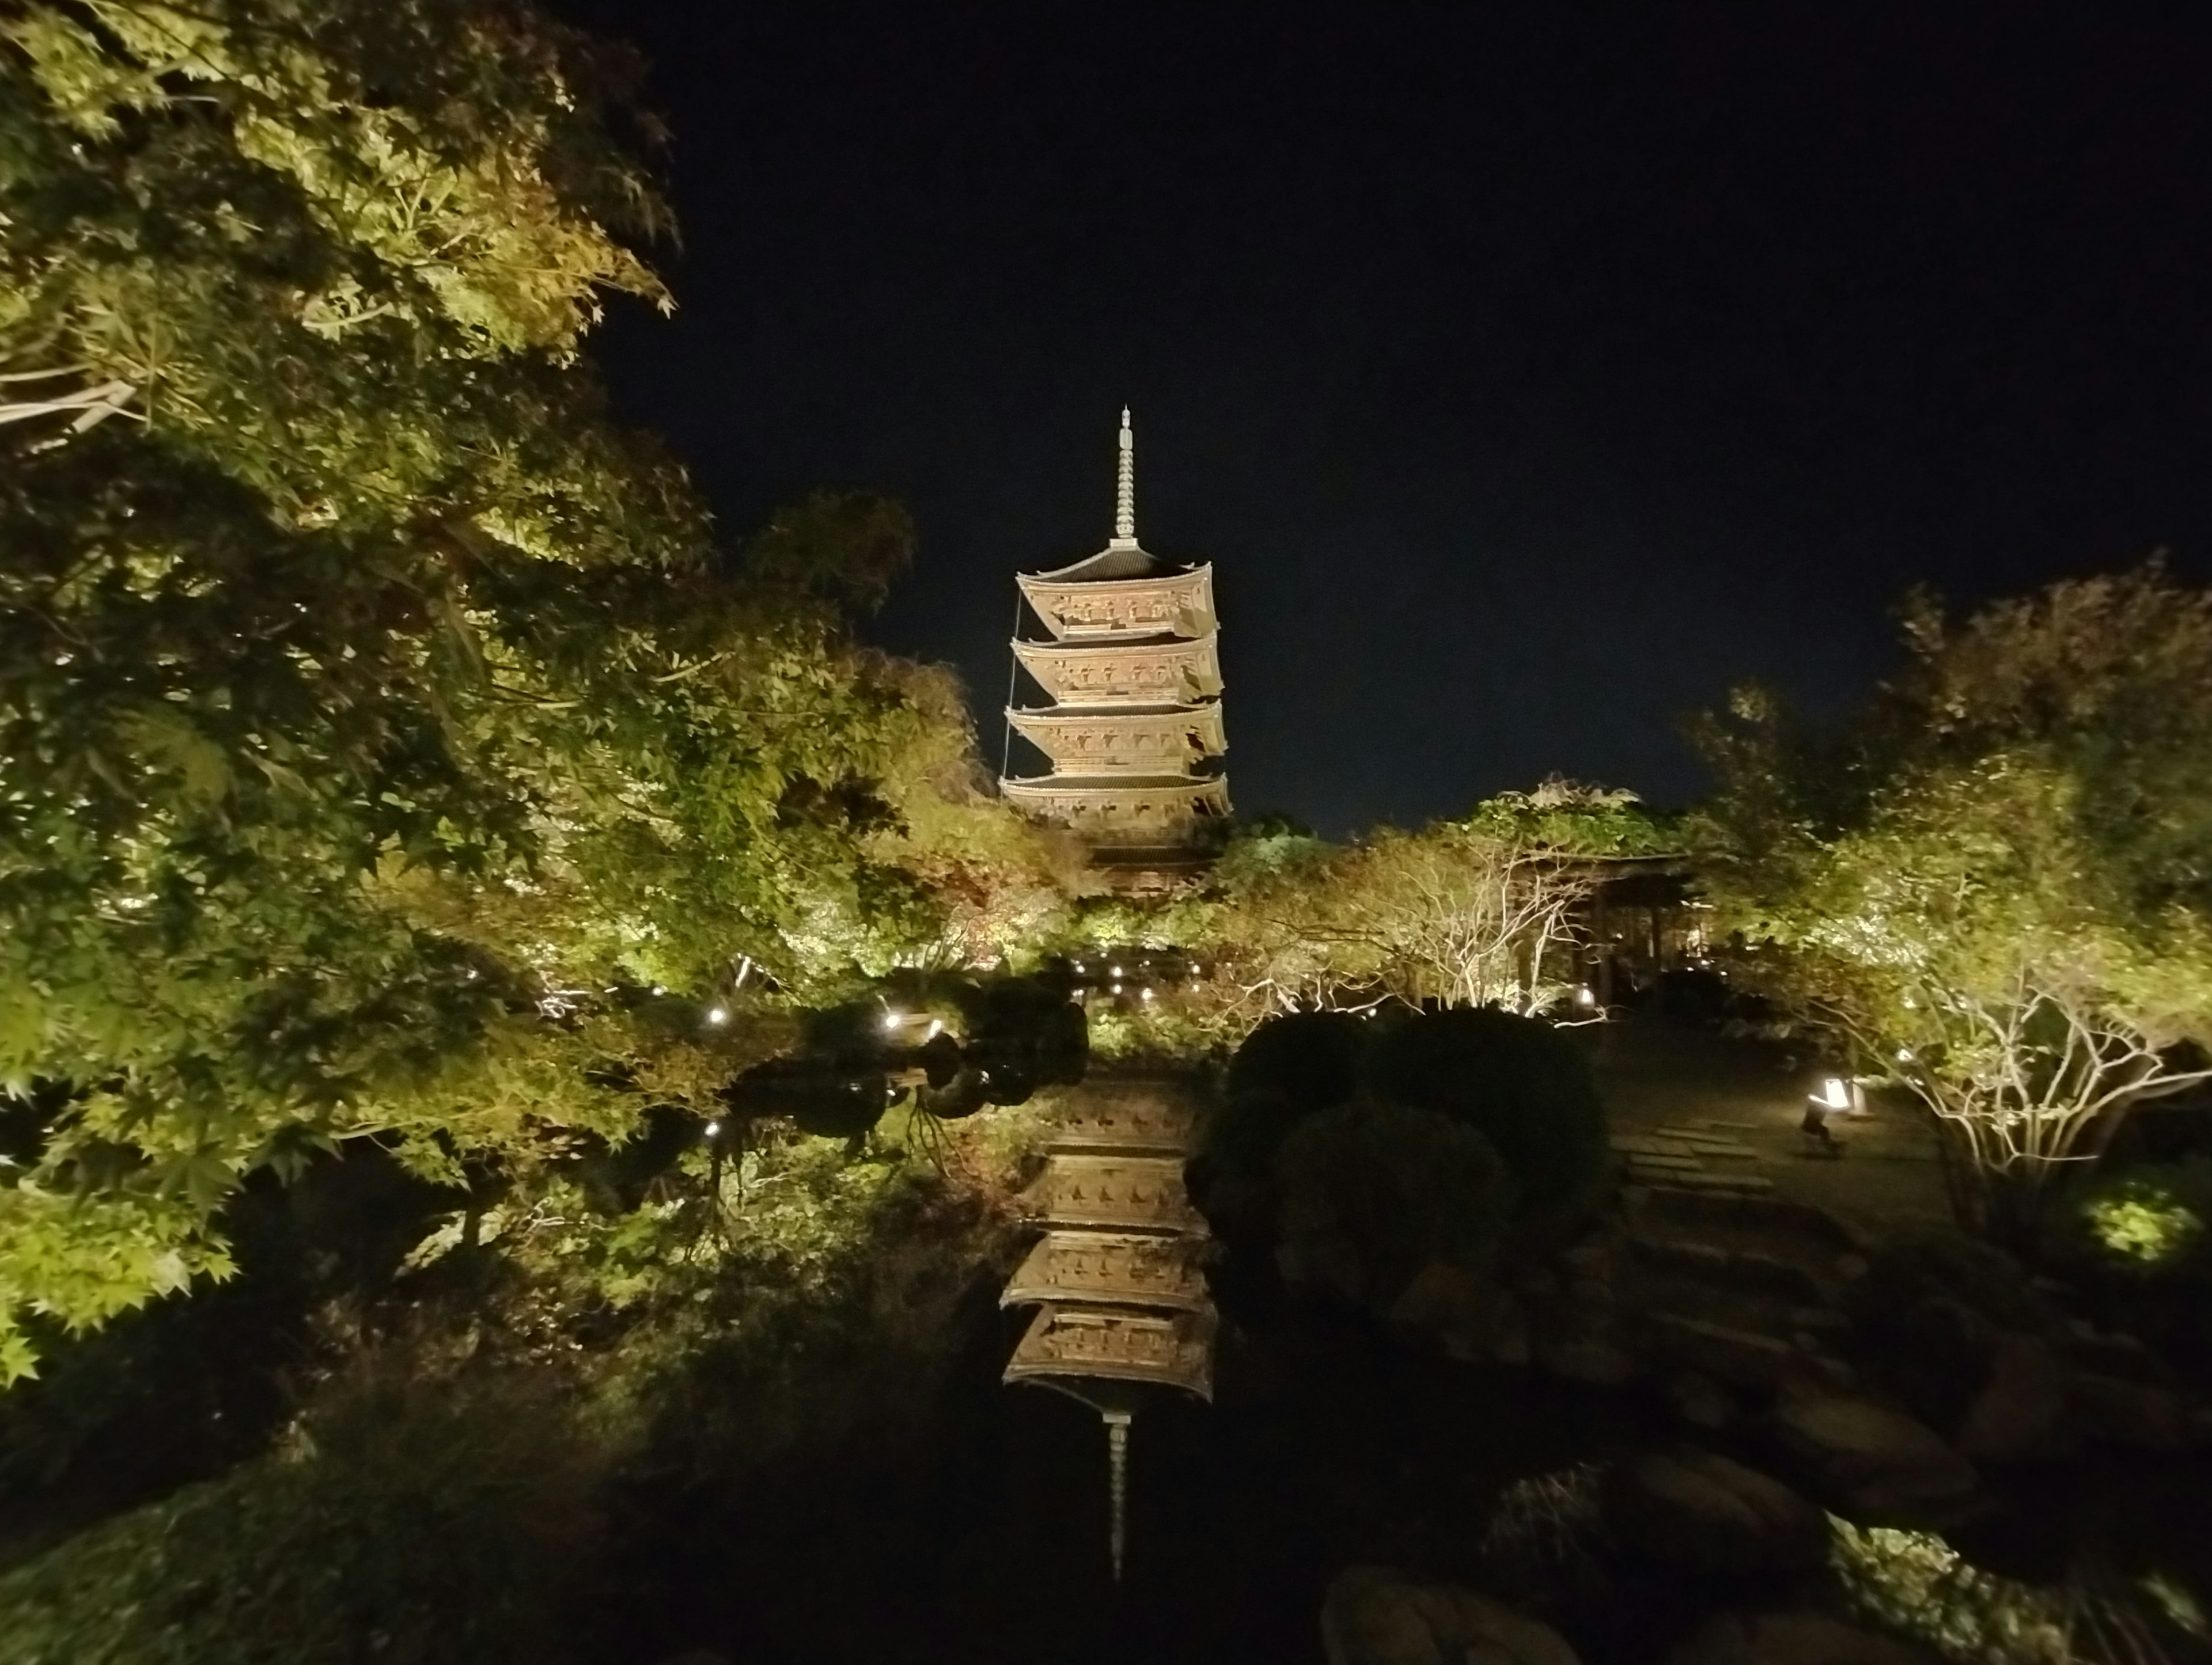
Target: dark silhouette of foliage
point(1524, 1085)
point(1373, 1192)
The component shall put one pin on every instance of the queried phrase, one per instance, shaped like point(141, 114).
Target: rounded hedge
point(1373, 1192)
point(1523, 1084)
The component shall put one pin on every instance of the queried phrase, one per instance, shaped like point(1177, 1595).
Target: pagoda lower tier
point(1167, 740)
point(1133, 811)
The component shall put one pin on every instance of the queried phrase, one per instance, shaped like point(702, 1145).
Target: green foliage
point(2153, 1218)
point(1471, 912)
point(418, 1512)
point(1373, 1192)
point(378, 724)
point(1918, 1584)
point(2002, 891)
point(1524, 1085)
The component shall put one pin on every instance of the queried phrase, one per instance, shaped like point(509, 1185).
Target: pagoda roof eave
point(1093, 572)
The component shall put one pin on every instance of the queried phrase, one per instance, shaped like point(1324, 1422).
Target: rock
point(1592, 1358)
point(2133, 1413)
point(1791, 1638)
point(1701, 1401)
point(1697, 1508)
point(1374, 1616)
point(1877, 1464)
point(2016, 1415)
point(1577, 1336)
point(1592, 1259)
point(2114, 1354)
point(1462, 1315)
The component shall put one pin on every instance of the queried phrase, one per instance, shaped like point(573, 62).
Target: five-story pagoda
point(1132, 676)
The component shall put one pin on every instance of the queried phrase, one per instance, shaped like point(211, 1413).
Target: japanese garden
point(560, 1100)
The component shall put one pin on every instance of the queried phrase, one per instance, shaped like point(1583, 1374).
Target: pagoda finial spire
point(1125, 490)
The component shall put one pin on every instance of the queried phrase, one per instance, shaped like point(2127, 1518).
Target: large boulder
point(1873, 1463)
point(1697, 1508)
point(2019, 1412)
point(1791, 1638)
point(1375, 1616)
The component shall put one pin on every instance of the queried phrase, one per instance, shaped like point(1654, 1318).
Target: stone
point(2016, 1415)
point(1878, 1465)
point(1701, 1401)
point(1375, 1616)
point(1791, 1638)
point(1697, 1508)
point(2138, 1414)
point(1462, 1315)
point(1592, 1357)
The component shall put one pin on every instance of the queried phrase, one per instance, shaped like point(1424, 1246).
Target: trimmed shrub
point(1373, 1192)
point(1310, 1058)
point(408, 1519)
point(1287, 1068)
point(1523, 1084)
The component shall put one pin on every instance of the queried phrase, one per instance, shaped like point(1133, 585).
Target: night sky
point(1528, 373)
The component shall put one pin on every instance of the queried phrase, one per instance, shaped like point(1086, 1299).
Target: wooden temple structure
point(1122, 1312)
point(1131, 673)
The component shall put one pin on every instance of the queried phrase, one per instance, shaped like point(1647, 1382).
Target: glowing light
point(1116, 970)
point(718, 1015)
point(1835, 1094)
point(1148, 993)
point(714, 1127)
point(1585, 997)
point(893, 1020)
point(1904, 1054)
point(936, 1029)
point(658, 989)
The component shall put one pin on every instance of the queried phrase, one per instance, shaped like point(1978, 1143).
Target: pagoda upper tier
point(1167, 670)
point(1132, 672)
point(1076, 606)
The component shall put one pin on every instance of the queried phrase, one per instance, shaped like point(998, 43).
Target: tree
point(1997, 885)
point(386, 749)
point(1464, 913)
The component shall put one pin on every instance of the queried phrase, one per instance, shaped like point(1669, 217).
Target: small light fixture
point(1836, 1094)
point(1148, 993)
point(658, 989)
point(714, 1127)
point(936, 1029)
point(891, 1021)
point(1117, 970)
point(1904, 1054)
point(1585, 996)
point(718, 1015)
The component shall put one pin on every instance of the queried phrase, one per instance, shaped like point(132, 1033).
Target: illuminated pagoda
point(1133, 675)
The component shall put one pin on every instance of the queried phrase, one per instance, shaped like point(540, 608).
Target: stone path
point(1684, 1102)
point(1706, 1155)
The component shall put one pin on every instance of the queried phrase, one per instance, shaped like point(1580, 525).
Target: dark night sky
point(1528, 373)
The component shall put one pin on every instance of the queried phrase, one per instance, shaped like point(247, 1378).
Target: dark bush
point(1524, 1085)
point(412, 1519)
point(1373, 1192)
point(1310, 1058)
